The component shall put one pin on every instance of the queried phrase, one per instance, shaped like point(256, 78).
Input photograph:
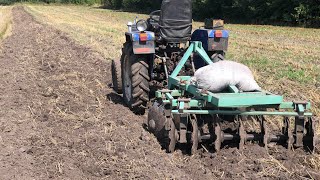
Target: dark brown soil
point(59, 119)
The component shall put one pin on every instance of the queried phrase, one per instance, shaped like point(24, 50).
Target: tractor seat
point(175, 24)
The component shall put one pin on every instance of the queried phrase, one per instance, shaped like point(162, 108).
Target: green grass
point(103, 30)
point(5, 21)
point(283, 59)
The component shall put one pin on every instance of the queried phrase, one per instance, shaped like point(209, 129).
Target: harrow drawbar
point(185, 114)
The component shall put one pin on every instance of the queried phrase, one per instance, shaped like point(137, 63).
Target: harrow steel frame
point(183, 101)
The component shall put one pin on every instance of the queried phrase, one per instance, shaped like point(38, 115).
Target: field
point(285, 60)
point(60, 120)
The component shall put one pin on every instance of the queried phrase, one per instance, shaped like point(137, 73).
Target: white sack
point(218, 76)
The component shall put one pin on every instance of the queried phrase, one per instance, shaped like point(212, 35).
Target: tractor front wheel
point(135, 81)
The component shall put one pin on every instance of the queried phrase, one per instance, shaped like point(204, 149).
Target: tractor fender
point(142, 42)
point(210, 40)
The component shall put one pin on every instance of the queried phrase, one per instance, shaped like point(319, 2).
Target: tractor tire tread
point(146, 76)
point(145, 88)
point(138, 94)
point(136, 83)
point(140, 84)
point(137, 103)
point(116, 76)
point(139, 80)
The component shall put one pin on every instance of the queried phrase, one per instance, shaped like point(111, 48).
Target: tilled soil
point(60, 120)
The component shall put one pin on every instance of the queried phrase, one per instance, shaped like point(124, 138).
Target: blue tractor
point(154, 47)
point(160, 56)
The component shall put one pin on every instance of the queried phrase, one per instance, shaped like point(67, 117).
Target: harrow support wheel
point(116, 76)
point(135, 80)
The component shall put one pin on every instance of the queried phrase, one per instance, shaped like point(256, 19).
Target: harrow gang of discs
point(218, 136)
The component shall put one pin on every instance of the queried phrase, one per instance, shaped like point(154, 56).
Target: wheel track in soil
point(59, 120)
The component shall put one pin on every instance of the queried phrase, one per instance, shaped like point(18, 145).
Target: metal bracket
point(300, 107)
point(183, 103)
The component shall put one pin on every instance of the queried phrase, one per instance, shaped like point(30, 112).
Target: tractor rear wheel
point(135, 80)
point(116, 76)
point(217, 56)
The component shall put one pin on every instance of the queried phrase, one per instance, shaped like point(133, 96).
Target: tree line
point(79, 2)
point(305, 13)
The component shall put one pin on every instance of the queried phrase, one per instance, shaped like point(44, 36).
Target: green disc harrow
point(185, 114)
